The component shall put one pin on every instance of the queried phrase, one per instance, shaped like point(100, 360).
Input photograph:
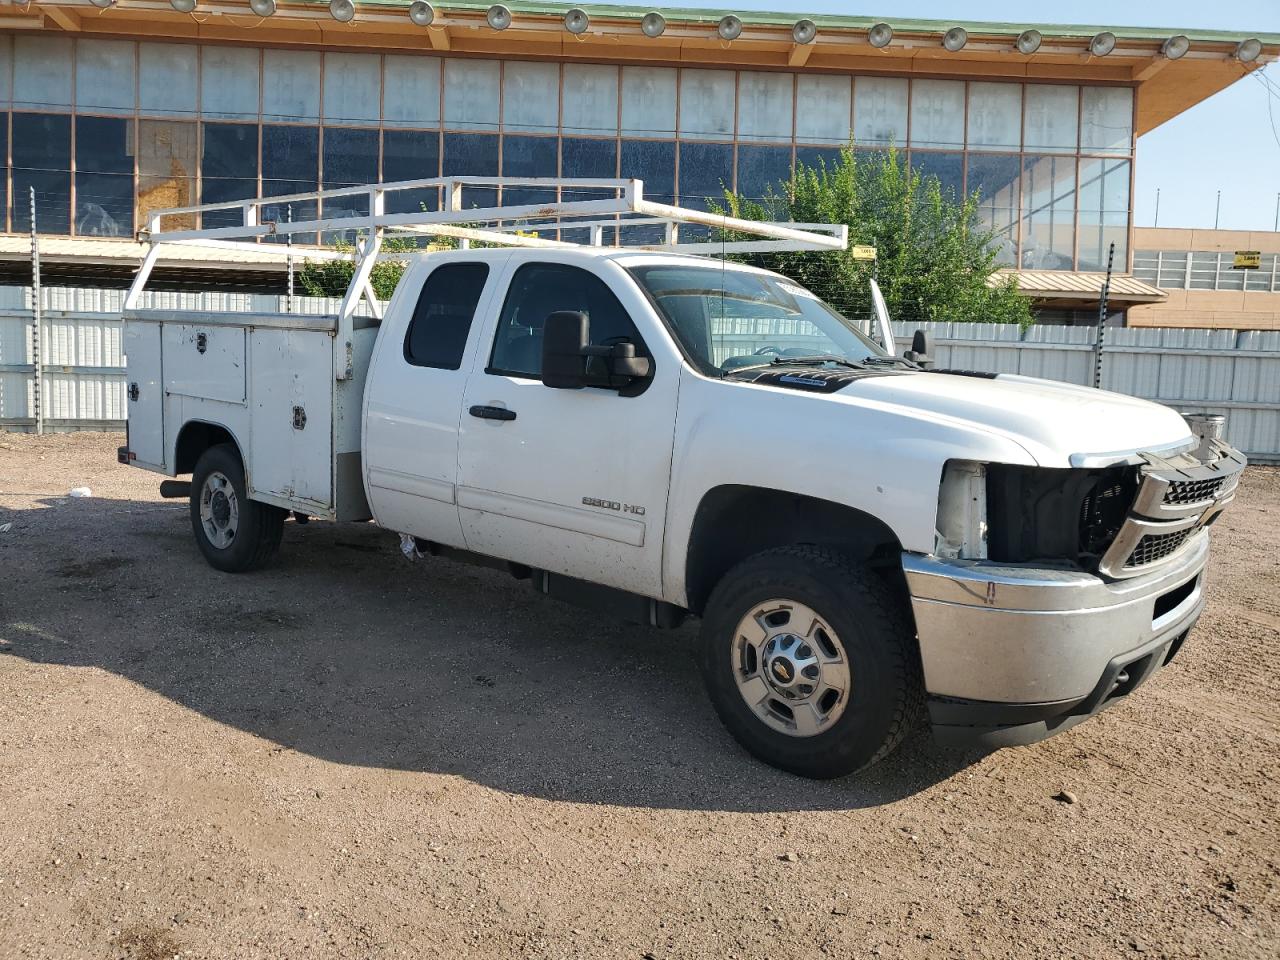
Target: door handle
point(492, 413)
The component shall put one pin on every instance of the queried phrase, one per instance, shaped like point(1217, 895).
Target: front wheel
point(807, 659)
point(234, 533)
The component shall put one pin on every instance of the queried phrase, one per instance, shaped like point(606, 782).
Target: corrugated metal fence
point(1236, 373)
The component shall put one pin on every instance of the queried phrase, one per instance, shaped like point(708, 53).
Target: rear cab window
point(441, 321)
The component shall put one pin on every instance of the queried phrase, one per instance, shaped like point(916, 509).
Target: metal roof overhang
point(537, 32)
point(1055, 288)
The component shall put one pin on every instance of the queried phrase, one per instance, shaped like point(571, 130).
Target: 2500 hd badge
point(613, 505)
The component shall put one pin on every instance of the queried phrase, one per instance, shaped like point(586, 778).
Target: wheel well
point(194, 439)
point(734, 522)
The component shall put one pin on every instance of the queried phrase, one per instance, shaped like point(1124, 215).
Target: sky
point(1229, 142)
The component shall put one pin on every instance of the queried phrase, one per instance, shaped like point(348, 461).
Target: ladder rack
point(521, 225)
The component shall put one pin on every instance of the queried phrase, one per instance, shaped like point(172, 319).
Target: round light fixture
point(881, 35)
point(955, 39)
point(729, 28)
point(805, 31)
point(422, 13)
point(183, 6)
point(653, 24)
point(498, 17)
point(1028, 42)
point(103, 3)
point(344, 11)
point(1249, 50)
point(1102, 44)
point(1176, 47)
point(263, 8)
point(576, 21)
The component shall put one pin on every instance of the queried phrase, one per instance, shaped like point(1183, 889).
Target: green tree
point(936, 259)
point(329, 278)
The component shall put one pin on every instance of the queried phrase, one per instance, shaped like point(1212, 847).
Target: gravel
point(354, 755)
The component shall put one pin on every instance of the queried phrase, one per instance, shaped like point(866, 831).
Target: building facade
point(111, 113)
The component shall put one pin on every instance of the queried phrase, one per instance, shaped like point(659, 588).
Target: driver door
point(573, 481)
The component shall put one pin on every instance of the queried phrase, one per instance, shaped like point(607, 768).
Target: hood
point(1050, 419)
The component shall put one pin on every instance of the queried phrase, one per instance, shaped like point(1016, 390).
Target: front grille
point(1157, 546)
point(1182, 492)
point(1103, 511)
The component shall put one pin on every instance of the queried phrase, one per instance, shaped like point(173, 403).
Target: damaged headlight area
point(1032, 515)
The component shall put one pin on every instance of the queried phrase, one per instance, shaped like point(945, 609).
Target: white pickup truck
point(657, 435)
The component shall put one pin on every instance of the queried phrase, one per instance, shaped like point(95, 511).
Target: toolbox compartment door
point(145, 392)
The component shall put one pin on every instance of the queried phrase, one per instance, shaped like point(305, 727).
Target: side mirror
point(564, 344)
point(570, 361)
point(921, 351)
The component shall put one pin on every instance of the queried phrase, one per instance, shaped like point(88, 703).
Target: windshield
point(730, 319)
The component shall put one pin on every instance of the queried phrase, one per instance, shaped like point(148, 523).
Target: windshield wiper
point(817, 358)
point(891, 361)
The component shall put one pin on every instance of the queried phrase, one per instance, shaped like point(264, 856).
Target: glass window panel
point(937, 113)
point(648, 101)
point(1104, 213)
point(167, 75)
point(411, 155)
point(42, 159)
point(104, 177)
point(351, 87)
point(948, 168)
point(1260, 279)
point(814, 158)
point(4, 180)
point(476, 155)
point(765, 106)
point(880, 111)
point(290, 164)
point(529, 157)
point(471, 95)
point(706, 171)
point(228, 168)
point(1229, 278)
point(104, 76)
point(229, 83)
point(1204, 271)
point(41, 80)
point(590, 98)
point(654, 162)
point(166, 169)
point(350, 159)
point(580, 157)
point(1048, 212)
point(6, 70)
point(290, 85)
point(1106, 120)
point(995, 116)
point(411, 91)
point(1173, 270)
point(1051, 118)
point(762, 170)
point(441, 322)
point(995, 182)
point(823, 109)
point(706, 104)
point(531, 97)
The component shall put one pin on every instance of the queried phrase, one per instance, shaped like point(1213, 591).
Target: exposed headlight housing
point(961, 528)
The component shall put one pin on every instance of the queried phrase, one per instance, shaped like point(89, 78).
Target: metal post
point(1217, 210)
point(1102, 319)
point(288, 243)
point(37, 334)
point(1277, 226)
point(1157, 220)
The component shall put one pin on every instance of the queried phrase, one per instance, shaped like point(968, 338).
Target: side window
point(437, 333)
point(539, 290)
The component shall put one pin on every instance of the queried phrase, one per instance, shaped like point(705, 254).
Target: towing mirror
point(570, 361)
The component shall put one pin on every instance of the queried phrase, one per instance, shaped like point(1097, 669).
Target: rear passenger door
point(414, 398)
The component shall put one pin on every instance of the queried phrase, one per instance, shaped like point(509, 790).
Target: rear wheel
point(807, 659)
point(234, 533)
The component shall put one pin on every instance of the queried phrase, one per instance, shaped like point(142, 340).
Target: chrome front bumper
point(1011, 654)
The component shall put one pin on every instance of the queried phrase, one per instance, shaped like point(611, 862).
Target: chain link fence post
point(1103, 296)
point(37, 333)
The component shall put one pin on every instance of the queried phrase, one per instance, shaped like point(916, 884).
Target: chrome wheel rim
point(791, 668)
point(219, 510)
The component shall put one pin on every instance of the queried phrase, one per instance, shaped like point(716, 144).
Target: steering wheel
point(765, 351)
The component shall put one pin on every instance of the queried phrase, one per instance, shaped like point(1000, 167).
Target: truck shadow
point(346, 651)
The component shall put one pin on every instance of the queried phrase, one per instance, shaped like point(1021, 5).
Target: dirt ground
point(349, 755)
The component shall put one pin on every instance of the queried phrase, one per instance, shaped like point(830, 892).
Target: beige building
point(1195, 270)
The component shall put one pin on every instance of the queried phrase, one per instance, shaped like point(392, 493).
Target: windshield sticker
point(795, 291)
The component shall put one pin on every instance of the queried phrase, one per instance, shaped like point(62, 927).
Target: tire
point(234, 533)
point(858, 638)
